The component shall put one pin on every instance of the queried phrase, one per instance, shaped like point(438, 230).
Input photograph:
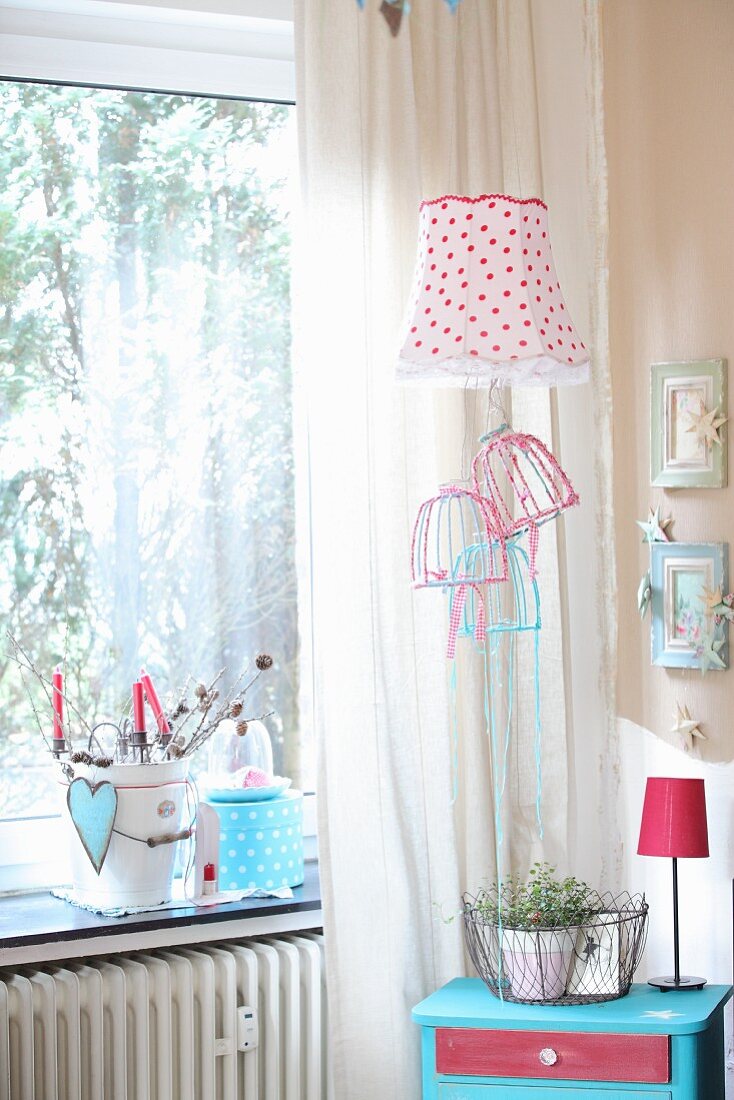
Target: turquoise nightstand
point(646, 1046)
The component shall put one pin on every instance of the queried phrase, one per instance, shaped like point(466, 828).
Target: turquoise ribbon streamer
point(455, 738)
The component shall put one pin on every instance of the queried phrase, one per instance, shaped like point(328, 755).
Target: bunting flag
point(393, 11)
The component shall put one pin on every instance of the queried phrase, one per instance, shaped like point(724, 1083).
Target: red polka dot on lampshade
point(486, 302)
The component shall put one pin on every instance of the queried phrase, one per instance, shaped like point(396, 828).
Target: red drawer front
point(578, 1056)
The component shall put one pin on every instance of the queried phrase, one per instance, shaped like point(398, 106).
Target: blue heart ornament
point(93, 809)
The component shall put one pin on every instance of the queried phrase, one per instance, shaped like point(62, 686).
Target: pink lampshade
point(486, 302)
point(674, 819)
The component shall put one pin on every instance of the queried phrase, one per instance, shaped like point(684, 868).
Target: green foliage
point(146, 461)
point(542, 901)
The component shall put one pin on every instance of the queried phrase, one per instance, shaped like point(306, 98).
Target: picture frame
point(679, 571)
point(677, 459)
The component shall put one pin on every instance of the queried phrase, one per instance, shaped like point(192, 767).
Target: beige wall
point(669, 103)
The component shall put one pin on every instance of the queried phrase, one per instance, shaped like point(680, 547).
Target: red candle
point(138, 708)
point(57, 697)
point(155, 705)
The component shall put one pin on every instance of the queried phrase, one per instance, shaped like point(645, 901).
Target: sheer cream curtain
point(454, 104)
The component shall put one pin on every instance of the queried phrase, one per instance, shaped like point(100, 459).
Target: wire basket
point(580, 964)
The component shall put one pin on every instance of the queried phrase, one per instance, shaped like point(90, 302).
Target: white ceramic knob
point(548, 1056)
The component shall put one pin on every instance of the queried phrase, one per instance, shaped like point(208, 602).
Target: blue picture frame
point(679, 571)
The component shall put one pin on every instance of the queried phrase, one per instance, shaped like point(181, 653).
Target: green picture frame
point(677, 459)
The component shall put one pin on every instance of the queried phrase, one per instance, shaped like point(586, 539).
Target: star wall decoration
point(706, 425)
point(644, 594)
point(686, 726)
point(653, 528)
point(725, 610)
point(707, 651)
point(721, 607)
point(711, 598)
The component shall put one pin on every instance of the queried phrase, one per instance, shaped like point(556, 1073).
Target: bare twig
point(191, 710)
point(210, 729)
point(45, 684)
point(209, 716)
point(35, 712)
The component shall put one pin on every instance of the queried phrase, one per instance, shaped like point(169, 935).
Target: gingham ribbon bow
point(457, 609)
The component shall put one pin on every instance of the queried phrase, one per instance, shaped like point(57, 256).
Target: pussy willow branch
point(203, 727)
point(33, 708)
point(204, 732)
point(45, 684)
point(254, 679)
point(210, 698)
point(210, 729)
point(26, 663)
point(189, 714)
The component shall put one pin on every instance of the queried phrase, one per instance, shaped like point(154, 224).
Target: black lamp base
point(665, 985)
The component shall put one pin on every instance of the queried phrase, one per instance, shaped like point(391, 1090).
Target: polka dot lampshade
point(486, 301)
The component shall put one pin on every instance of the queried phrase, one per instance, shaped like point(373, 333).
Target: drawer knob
point(548, 1056)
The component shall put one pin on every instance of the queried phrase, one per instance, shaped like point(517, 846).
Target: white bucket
point(153, 800)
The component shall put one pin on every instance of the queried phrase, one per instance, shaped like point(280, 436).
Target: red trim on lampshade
point(674, 819)
point(482, 198)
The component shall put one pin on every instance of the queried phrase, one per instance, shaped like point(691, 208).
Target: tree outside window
point(146, 442)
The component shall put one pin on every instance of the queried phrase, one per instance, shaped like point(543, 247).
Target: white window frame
point(241, 48)
point(225, 48)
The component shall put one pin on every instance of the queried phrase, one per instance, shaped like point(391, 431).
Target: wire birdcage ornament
point(503, 608)
point(524, 482)
point(457, 541)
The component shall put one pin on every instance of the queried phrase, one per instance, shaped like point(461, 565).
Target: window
point(146, 438)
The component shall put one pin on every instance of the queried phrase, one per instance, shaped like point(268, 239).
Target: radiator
point(167, 1024)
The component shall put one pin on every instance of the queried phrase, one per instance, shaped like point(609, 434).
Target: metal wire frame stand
point(578, 964)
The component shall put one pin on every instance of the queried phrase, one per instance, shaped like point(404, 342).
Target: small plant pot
point(537, 963)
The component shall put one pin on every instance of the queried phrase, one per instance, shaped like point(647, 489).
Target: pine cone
point(235, 709)
point(102, 761)
point(263, 662)
point(241, 728)
point(174, 750)
point(200, 691)
point(81, 757)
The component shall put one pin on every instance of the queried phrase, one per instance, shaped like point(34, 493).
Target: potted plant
point(533, 927)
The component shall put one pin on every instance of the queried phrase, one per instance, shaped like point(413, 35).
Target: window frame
point(239, 49)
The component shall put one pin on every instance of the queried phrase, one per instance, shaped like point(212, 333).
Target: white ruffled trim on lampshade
point(539, 370)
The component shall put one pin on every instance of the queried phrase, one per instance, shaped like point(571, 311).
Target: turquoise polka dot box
point(261, 825)
point(261, 843)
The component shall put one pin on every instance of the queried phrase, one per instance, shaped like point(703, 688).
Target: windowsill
point(39, 927)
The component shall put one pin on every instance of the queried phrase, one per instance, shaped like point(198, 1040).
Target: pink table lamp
point(674, 825)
